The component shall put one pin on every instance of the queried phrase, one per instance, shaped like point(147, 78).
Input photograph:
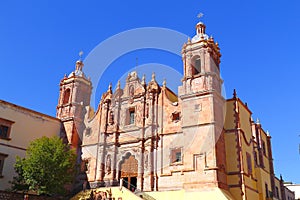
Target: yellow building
point(250, 171)
point(18, 127)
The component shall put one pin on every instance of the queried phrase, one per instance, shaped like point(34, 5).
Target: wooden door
point(129, 172)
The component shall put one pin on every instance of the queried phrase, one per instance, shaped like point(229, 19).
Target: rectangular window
point(88, 131)
point(131, 116)
point(2, 158)
point(4, 131)
point(176, 155)
point(255, 158)
point(249, 163)
point(267, 190)
point(5, 127)
point(276, 192)
point(264, 148)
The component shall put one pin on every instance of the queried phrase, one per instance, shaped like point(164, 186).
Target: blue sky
point(259, 42)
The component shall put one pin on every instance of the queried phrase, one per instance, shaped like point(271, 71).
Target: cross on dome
point(200, 15)
point(80, 55)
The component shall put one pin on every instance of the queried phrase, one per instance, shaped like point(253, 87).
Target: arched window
point(196, 65)
point(66, 96)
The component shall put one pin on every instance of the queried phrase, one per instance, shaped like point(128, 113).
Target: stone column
point(114, 161)
point(140, 178)
point(102, 163)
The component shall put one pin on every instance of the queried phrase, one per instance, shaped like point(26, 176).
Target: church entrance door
point(129, 172)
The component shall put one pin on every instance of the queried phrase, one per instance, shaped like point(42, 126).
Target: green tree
point(48, 167)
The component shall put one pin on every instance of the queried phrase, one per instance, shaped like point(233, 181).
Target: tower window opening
point(66, 96)
point(196, 64)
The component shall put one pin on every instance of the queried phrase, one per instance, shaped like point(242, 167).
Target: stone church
point(147, 138)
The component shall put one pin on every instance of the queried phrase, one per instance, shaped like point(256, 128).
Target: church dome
point(200, 36)
point(76, 73)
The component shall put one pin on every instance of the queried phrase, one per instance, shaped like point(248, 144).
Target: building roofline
point(29, 110)
point(241, 102)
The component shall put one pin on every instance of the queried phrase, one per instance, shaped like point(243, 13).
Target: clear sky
point(259, 42)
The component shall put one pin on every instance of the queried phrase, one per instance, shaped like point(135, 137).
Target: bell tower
point(75, 92)
point(203, 108)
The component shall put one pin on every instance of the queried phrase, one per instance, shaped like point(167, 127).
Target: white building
point(295, 188)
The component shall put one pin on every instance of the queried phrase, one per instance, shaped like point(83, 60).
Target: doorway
point(129, 172)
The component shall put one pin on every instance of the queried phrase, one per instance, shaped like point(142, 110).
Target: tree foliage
point(48, 167)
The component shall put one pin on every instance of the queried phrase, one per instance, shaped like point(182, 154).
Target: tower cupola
point(78, 68)
point(79, 65)
point(200, 32)
point(200, 27)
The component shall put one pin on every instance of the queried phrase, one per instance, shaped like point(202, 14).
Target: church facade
point(147, 138)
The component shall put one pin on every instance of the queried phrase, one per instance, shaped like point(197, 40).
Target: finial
point(128, 77)
point(80, 55)
point(164, 83)
point(144, 79)
point(119, 84)
point(268, 133)
point(234, 93)
point(153, 76)
point(257, 121)
point(189, 40)
point(79, 63)
point(109, 87)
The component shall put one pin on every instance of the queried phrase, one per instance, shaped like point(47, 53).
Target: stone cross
point(80, 54)
point(200, 15)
